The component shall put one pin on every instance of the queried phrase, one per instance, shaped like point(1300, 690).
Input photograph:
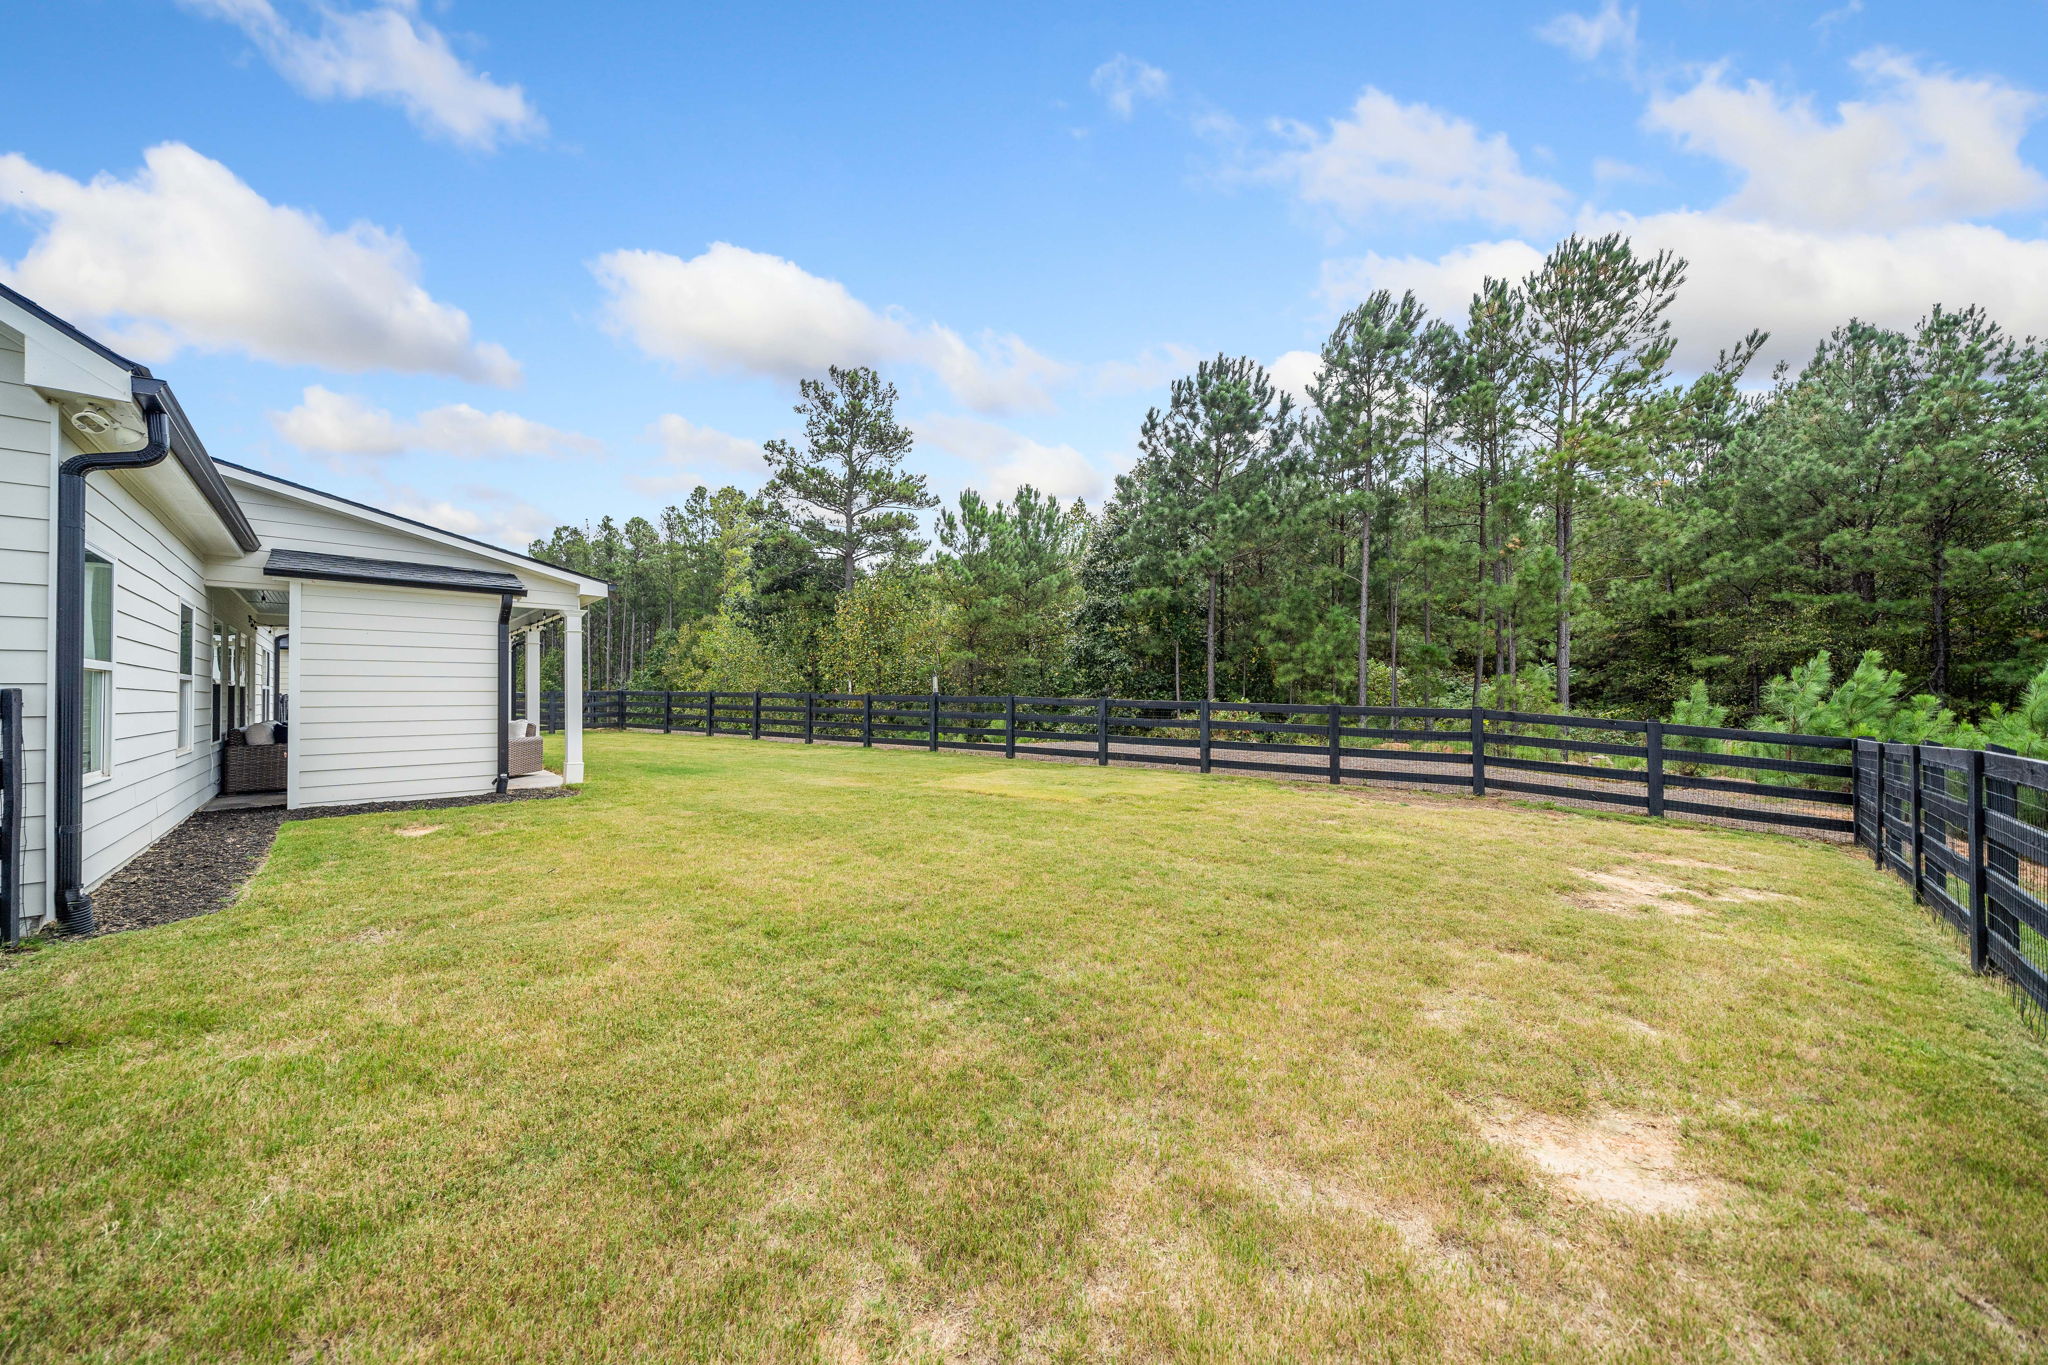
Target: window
point(99, 664)
point(185, 680)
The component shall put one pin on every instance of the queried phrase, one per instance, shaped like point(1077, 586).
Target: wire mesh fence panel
point(2014, 930)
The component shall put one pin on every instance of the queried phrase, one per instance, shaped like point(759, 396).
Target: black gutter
point(504, 694)
point(74, 906)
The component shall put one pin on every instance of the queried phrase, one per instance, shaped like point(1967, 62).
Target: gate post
point(1980, 920)
point(1336, 747)
point(1479, 751)
point(1653, 746)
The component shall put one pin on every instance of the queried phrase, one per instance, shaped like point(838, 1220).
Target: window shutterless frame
point(187, 683)
point(97, 711)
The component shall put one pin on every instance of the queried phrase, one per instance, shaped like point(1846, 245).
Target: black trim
point(397, 573)
point(67, 746)
point(409, 521)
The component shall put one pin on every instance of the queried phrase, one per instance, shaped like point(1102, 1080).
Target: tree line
point(1522, 504)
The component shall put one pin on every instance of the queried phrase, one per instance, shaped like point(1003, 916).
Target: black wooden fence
point(1967, 830)
point(10, 815)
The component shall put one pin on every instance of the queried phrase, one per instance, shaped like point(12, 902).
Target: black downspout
point(74, 906)
point(504, 693)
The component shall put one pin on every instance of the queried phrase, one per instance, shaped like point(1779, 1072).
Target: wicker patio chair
point(246, 767)
point(523, 749)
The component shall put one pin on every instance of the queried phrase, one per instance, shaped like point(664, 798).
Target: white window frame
point(188, 674)
point(105, 771)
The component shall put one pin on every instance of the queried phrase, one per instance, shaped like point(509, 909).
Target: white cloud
point(734, 309)
point(1588, 36)
point(1386, 157)
point(688, 451)
point(1009, 460)
point(1924, 147)
point(1294, 371)
point(1123, 82)
point(385, 52)
point(484, 513)
point(1796, 283)
point(330, 423)
point(187, 255)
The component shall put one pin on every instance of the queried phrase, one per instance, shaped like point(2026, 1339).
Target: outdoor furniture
point(523, 749)
point(252, 760)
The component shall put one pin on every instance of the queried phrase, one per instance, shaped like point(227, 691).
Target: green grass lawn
point(757, 1051)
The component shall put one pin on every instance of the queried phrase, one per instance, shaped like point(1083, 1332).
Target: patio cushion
point(262, 732)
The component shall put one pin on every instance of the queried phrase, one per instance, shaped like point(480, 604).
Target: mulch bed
point(202, 865)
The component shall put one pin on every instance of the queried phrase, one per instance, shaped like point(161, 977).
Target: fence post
point(1205, 734)
point(668, 713)
point(935, 722)
point(1336, 746)
point(757, 715)
point(1980, 921)
point(867, 720)
point(621, 697)
point(711, 713)
point(810, 715)
point(1010, 726)
point(1653, 747)
point(1914, 878)
point(1479, 751)
point(1102, 731)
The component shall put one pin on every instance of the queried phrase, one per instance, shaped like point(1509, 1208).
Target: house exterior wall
point(153, 784)
point(393, 693)
point(27, 444)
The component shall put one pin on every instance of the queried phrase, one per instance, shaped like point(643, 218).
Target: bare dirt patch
point(1635, 888)
point(418, 831)
point(1621, 1160)
point(1414, 1227)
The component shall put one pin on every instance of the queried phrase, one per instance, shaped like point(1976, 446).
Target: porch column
point(533, 674)
point(572, 695)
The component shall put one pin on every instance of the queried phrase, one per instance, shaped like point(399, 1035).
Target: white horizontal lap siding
point(396, 695)
point(153, 786)
point(27, 457)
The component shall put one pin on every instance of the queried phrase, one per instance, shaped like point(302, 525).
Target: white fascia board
point(589, 589)
point(55, 362)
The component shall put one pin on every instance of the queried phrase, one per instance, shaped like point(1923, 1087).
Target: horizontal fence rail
point(1968, 831)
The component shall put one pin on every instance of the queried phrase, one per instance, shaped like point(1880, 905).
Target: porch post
point(533, 674)
point(572, 695)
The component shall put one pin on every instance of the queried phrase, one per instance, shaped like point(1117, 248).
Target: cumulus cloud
point(387, 53)
point(1588, 37)
point(1923, 147)
point(186, 255)
point(1008, 459)
point(734, 309)
point(1797, 283)
point(1153, 367)
point(1125, 82)
point(694, 455)
point(1388, 158)
point(1294, 371)
point(330, 423)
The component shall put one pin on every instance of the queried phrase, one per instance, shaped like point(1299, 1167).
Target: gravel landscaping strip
point(202, 865)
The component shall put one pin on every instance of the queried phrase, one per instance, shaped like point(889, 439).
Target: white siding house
point(179, 573)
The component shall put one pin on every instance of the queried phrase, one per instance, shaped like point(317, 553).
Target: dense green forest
point(1523, 501)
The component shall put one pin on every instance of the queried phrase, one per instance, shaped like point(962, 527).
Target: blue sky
point(500, 267)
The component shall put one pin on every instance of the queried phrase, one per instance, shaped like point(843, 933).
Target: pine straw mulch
point(203, 864)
